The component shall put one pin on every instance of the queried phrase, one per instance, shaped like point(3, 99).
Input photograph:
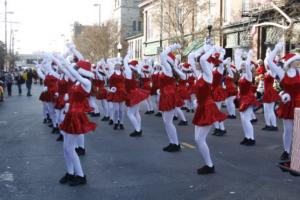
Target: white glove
point(158, 92)
point(151, 84)
point(285, 98)
point(66, 97)
point(45, 89)
point(279, 46)
point(113, 90)
point(56, 94)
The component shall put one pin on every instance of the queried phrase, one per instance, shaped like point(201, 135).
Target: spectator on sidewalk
point(20, 81)
point(28, 80)
point(9, 80)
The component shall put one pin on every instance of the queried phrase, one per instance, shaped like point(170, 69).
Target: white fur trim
point(289, 61)
point(86, 73)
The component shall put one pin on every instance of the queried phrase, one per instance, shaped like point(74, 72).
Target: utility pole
point(161, 27)
point(5, 23)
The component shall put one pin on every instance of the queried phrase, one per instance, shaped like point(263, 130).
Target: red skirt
point(183, 93)
point(169, 100)
point(271, 96)
point(43, 97)
point(153, 91)
point(230, 91)
point(47, 97)
point(60, 102)
point(219, 94)
point(77, 123)
point(118, 96)
point(286, 110)
point(246, 101)
point(208, 114)
point(102, 94)
point(136, 96)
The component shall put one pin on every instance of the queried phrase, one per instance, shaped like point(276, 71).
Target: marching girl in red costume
point(76, 122)
point(207, 112)
point(42, 74)
point(169, 100)
point(218, 92)
point(230, 89)
point(155, 86)
point(146, 83)
point(246, 97)
point(191, 79)
point(135, 95)
point(117, 94)
point(102, 92)
point(96, 83)
point(50, 88)
point(270, 97)
point(290, 96)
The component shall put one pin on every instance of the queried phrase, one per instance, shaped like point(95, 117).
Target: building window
point(140, 26)
point(117, 3)
point(149, 28)
point(134, 26)
point(227, 10)
point(246, 7)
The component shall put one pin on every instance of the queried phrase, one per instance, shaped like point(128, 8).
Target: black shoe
point(216, 131)
point(111, 122)
point(167, 147)
point(55, 130)
point(266, 128)
point(273, 128)
point(116, 126)
point(253, 121)
point(285, 156)
point(221, 132)
point(136, 134)
point(152, 112)
point(183, 123)
point(122, 127)
point(50, 125)
point(174, 148)
point(244, 141)
point(175, 118)
point(66, 178)
point(60, 138)
point(104, 119)
point(183, 108)
point(95, 115)
point(80, 151)
point(188, 110)
point(148, 112)
point(78, 180)
point(45, 121)
point(206, 170)
point(250, 142)
point(158, 114)
point(192, 110)
point(231, 116)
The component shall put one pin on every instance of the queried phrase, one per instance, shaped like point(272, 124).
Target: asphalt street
point(120, 167)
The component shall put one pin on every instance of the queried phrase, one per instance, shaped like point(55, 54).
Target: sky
point(45, 25)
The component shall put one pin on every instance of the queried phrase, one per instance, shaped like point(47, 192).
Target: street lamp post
point(209, 28)
point(99, 5)
point(119, 47)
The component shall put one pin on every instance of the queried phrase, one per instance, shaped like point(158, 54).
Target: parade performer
point(76, 122)
point(96, 83)
point(270, 97)
point(207, 112)
point(246, 97)
point(230, 88)
point(169, 100)
point(102, 92)
point(117, 92)
point(146, 83)
point(155, 86)
point(218, 92)
point(289, 78)
point(135, 95)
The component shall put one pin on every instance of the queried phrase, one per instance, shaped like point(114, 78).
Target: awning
point(151, 49)
point(192, 47)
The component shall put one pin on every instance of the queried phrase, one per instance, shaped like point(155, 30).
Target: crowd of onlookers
point(17, 77)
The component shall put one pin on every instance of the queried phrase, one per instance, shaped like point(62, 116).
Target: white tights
point(118, 112)
point(71, 157)
point(133, 114)
point(52, 114)
point(80, 141)
point(270, 118)
point(169, 126)
point(149, 104)
point(93, 104)
point(246, 117)
point(104, 105)
point(288, 125)
point(111, 110)
point(230, 105)
point(219, 125)
point(45, 110)
point(180, 113)
point(201, 133)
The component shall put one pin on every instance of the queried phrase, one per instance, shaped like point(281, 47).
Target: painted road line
point(188, 145)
